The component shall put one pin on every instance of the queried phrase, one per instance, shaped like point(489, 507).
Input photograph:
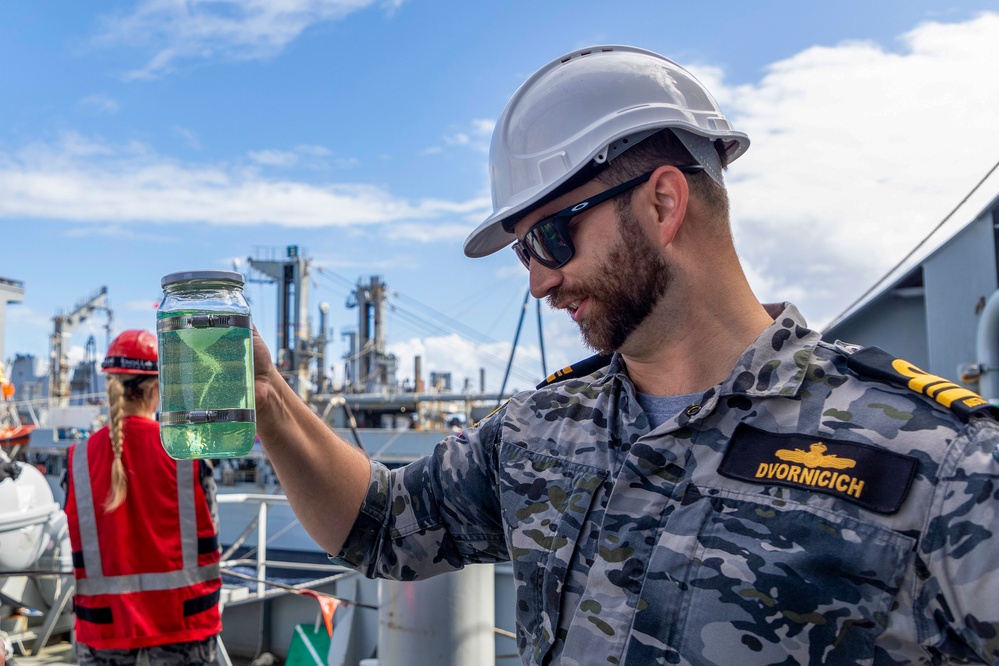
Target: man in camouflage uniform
point(721, 486)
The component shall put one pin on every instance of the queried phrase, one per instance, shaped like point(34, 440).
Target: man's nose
point(544, 280)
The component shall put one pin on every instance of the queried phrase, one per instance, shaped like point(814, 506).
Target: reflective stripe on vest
point(95, 581)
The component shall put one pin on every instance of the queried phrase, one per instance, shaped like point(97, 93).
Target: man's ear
point(668, 201)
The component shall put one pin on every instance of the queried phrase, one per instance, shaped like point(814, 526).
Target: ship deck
point(62, 654)
point(53, 654)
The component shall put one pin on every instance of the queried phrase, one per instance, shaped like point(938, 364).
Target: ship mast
point(294, 349)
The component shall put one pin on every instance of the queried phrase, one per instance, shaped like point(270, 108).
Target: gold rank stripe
point(943, 391)
point(877, 363)
point(577, 369)
point(558, 373)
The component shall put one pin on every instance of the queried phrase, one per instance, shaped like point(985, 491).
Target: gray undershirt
point(661, 408)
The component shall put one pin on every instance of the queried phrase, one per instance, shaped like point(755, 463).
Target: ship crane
point(294, 349)
point(59, 388)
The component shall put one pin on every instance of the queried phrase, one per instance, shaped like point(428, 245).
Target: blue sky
point(142, 138)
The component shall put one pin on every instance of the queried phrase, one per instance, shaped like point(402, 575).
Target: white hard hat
point(584, 108)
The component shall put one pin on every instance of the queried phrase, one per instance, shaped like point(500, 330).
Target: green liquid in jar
point(206, 369)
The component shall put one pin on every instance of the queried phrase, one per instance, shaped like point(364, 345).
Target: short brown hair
point(664, 148)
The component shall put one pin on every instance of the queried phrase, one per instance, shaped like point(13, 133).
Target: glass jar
point(207, 407)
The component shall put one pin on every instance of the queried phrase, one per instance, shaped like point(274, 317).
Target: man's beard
point(623, 292)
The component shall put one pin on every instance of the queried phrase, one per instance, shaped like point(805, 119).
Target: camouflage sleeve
point(434, 515)
point(958, 571)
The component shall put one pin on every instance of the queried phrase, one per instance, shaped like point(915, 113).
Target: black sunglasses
point(549, 241)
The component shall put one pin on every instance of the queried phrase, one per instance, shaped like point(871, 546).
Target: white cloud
point(100, 103)
point(390, 6)
point(146, 307)
point(278, 158)
point(433, 231)
point(121, 231)
point(22, 315)
point(84, 180)
point(221, 29)
point(510, 271)
point(376, 264)
point(304, 155)
point(563, 342)
point(189, 137)
point(75, 355)
point(463, 359)
point(458, 139)
point(475, 136)
point(857, 152)
point(483, 127)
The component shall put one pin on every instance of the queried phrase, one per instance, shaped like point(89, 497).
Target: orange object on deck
point(327, 605)
point(16, 436)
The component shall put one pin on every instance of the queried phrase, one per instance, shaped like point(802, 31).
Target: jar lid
point(185, 276)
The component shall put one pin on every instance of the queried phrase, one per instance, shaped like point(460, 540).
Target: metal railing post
point(261, 549)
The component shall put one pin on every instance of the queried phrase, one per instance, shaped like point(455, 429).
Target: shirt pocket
point(773, 579)
point(545, 501)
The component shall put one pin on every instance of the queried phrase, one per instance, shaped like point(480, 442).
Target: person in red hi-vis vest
point(144, 530)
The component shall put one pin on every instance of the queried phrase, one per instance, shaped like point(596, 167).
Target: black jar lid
point(186, 276)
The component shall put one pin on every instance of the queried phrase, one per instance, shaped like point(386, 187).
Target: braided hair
point(122, 389)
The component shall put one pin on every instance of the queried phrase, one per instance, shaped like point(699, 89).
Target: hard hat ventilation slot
point(571, 56)
point(615, 148)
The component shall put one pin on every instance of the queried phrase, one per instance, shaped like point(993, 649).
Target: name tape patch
point(873, 478)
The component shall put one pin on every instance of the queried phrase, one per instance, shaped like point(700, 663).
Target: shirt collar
point(774, 365)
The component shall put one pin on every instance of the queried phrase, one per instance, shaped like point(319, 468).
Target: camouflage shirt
point(799, 512)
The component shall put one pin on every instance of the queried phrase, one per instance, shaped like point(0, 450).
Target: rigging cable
point(424, 326)
point(541, 341)
point(920, 243)
point(435, 329)
point(450, 325)
point(516, 336)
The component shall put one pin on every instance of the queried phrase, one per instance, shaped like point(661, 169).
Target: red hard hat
point(132, 352)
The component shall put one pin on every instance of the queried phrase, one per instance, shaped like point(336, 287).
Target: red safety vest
point(148, 572)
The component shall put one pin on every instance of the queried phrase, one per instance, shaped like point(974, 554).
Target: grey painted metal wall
point(959, 278)
point(895, 321)
point(930, 317)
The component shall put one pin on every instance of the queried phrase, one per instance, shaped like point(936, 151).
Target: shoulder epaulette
point(876, 362)
point(578, 369)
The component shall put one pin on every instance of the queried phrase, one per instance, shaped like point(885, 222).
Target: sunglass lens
point(549, 241)
point(536, 245)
